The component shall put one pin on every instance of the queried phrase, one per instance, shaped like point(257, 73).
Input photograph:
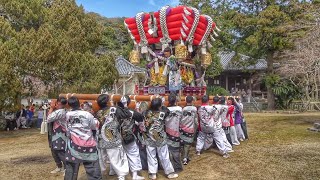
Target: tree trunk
point(270, 71)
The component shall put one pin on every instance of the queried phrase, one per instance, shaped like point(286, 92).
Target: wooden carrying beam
point(117, 97)
point(114, 98)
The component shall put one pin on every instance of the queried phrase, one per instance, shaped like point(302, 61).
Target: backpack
point(126, 129)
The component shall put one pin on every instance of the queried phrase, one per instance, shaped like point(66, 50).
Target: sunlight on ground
point(280, 147)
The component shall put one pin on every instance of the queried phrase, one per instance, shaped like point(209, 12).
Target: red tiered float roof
point(179, 22)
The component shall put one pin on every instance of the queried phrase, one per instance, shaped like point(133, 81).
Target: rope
point(193, 28)
point(163, 24)
point(143, 38)
point(208, 30)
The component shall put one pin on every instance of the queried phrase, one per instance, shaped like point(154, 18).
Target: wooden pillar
point(124, 88)
point(227, 82)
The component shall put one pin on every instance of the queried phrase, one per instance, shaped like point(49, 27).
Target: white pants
point(118, 160)
point(239, 131)
point(204, 141)
point(133, 154)
point(208, 141)
point(163, 154)
point(103, 159)
point(21, 121)
point(233, 134)
point(225, 140)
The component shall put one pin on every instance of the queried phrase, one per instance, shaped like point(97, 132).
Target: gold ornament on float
point(181, 52)
point(134, 57)
point(206, 60)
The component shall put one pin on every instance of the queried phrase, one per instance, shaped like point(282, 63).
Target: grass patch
point(280, 147)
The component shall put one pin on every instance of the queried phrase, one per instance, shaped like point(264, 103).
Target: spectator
point(21, 116)
point(249, 93)
point(29, 116)
point(243, 95)
point(233, 92)
point(11, 123)
point(40, 117)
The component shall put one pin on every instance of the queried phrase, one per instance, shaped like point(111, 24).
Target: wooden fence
point(305, 106)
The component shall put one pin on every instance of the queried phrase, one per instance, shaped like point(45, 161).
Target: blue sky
point(124, 8)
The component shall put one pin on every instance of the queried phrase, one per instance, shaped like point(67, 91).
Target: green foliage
point(214, 90)
point(272, 80)
point(54, 44)
point(286, 92)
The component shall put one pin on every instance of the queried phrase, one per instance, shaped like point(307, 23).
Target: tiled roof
point(125, 68)
point(226, 59)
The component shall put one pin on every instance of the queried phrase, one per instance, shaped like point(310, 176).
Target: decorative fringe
point(144, 49)
point(215, 34)
point(212, 39)
point(156, 66)
point(190, 48)
point(203, 50)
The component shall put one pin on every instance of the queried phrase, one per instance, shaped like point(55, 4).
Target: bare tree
point(303, 63)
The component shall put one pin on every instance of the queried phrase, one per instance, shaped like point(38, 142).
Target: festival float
point(183, 31)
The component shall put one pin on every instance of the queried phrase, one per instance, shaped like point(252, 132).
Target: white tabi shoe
point(135, 176)
point(172, 176)
point(198, 153)
point(152, 176)
point(56, 170)
point(226, 155)
point(121, 178)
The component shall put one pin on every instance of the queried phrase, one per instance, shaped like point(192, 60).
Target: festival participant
point(139, 141)
point(172, 67)
point(109, 140)
point(244, 125)
point(238, 118)
point(188, 127)
point(87, 106)
point(172, 124)
point(230, 115)
point(57, 133)
point(205, 133)
point(81, 144)
point(211, 127)
point(225, 120)
point(127, 119)
point(155, 140)
point(219, 135)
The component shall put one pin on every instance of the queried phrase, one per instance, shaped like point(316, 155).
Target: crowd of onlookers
point(25, 117)
point(245, 96)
